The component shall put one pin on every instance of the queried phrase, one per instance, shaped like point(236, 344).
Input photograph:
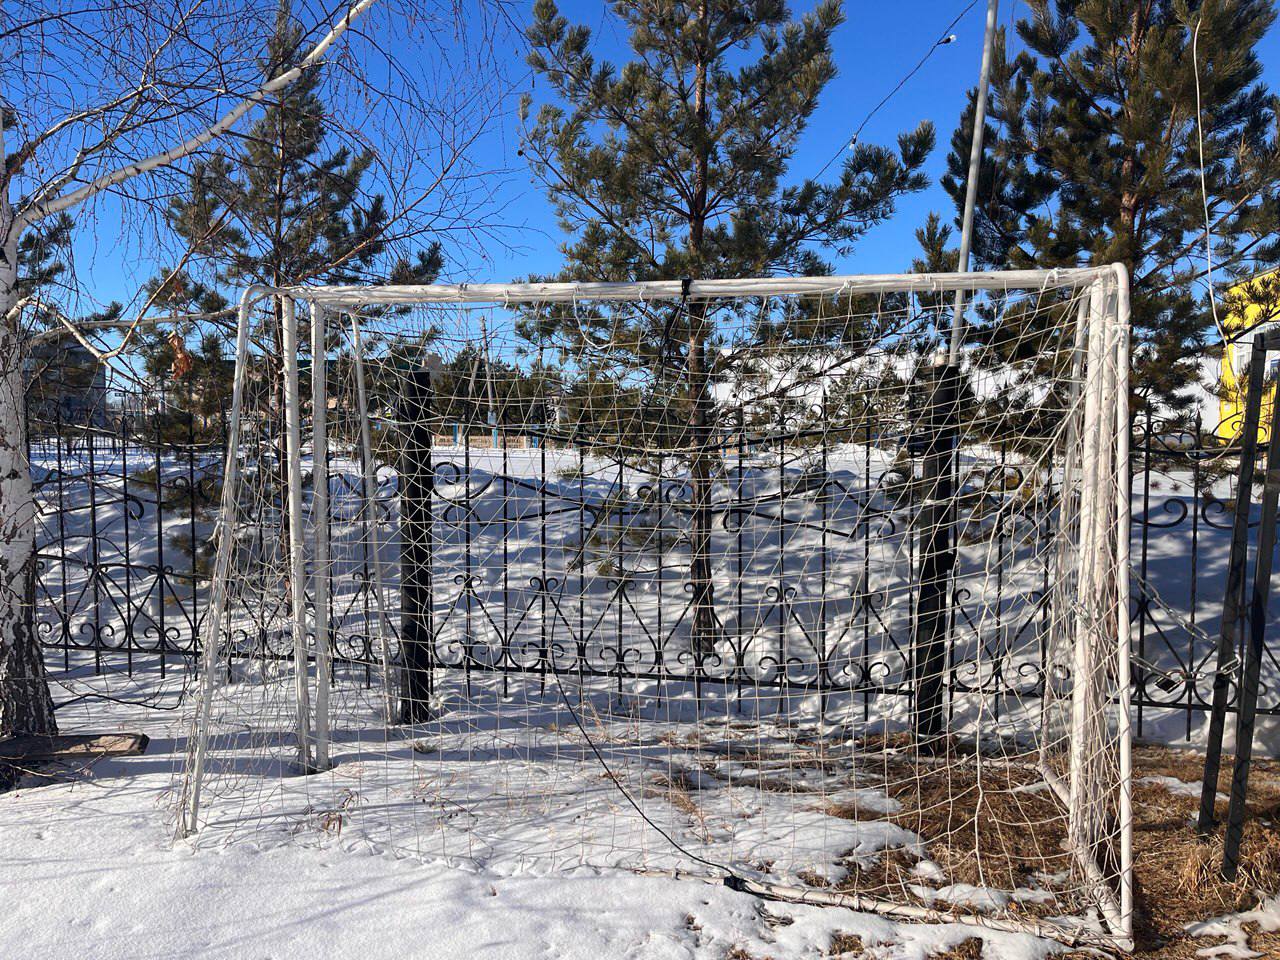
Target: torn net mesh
point(754, 585)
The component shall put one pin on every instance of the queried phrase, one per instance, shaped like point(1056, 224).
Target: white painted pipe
point(320, 527)
point(211, 635)
point(1070, 935)
point(1123, 639)
point(371, 517)
point(297, 558)
point(498, 293)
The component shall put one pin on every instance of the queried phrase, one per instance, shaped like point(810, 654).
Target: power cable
point(1204, 190)
point(946, 38)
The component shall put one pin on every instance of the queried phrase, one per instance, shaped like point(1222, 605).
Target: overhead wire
point(1204, 190)
point(946, 38)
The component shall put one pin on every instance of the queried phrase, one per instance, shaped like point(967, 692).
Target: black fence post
point(1247, 702)
point(162, 572)
point(130, 609)
point(416, 481)
point(1233, 601)
point(937, 557)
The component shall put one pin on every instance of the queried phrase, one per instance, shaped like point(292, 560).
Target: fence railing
point(127, 501)
point(1183, 501)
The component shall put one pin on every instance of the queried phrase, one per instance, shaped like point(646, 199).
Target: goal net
point(766, 580)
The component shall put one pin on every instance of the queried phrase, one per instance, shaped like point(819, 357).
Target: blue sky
point(874, 49)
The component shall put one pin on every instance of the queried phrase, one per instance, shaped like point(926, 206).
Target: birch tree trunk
point(25, 704)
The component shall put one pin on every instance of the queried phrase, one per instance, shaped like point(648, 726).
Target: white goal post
point(739, 577)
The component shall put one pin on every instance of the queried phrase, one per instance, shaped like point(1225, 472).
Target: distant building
point(65, 383)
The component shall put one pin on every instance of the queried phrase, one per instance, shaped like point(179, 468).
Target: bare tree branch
point(39, 210)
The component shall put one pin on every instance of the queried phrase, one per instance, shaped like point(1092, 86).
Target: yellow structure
point(1247, 319)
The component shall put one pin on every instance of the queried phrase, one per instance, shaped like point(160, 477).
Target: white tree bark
point(25, 704)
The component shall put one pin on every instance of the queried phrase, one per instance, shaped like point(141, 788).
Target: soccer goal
point(797, 584)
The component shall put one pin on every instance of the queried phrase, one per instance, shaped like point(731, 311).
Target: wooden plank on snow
point(72, 746)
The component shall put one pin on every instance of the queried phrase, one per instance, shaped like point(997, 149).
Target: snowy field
point(92, 871)
point(91, 854)
point(500, 831)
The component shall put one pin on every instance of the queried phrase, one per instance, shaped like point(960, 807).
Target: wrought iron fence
point(1183, 500)
point(125, 488)
point(127, 498)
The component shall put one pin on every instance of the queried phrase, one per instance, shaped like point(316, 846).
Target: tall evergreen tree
point(43, 255)
point(287, 207)
point(186, 358)
point(675, 166)
point(1093, 156)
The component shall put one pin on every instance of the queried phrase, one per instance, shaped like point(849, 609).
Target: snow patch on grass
point(1232, 926)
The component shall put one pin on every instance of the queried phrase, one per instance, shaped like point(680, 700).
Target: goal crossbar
point(385, 294)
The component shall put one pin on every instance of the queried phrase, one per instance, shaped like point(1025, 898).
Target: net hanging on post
point(729, 577)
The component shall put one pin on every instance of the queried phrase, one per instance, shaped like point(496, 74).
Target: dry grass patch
point(677, 789)
point(995, 825)
point(984, 830)
point(852, 810)
point(1002, 835)
point(886, 878)
point(970, 949)
point(1259, 869)
point(845, 945)
point(1176, 871)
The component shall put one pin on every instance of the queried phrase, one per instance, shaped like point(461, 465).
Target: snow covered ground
point(316, 867)
point(91, 870)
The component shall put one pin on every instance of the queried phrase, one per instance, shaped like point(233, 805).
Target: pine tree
point(43, 254)
point(43, 257)
point(187, 359)
point(675, 166)
point(1092, 156)
point(288, 207)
